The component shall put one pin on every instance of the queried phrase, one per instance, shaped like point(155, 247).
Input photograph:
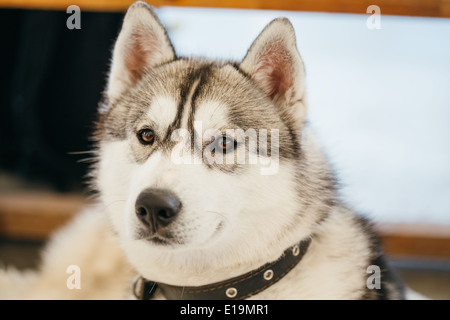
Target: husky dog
point(209, 180)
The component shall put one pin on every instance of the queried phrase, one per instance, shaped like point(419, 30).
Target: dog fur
point(235, 216)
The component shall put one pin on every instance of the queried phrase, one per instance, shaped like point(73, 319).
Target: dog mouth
point(167, 238)
point(158, 238)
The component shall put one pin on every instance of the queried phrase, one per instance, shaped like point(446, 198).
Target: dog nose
point(156, 208)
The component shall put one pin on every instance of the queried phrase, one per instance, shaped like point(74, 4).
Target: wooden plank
point(424, 240)
point(430, 8)
point(34, 216)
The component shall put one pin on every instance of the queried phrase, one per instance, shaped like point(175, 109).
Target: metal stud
point(231, 292)
point(296, 250)
point(268, 275)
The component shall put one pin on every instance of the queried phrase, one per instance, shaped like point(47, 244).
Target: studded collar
point(237, 288)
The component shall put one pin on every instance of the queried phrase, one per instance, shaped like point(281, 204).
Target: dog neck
point(237, 288)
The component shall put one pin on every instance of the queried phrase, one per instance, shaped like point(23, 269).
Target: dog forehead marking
point(163, 110)
point(187, 108)
point(212, 115)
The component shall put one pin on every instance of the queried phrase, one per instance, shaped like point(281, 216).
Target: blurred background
point(379, 102)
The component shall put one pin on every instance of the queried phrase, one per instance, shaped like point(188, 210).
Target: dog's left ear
point(274, 63)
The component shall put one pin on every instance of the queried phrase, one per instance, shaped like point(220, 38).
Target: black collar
point(237, 288)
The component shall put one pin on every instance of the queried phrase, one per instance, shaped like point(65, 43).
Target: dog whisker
point(81, 152)
point(222, 214)
point(88, 160)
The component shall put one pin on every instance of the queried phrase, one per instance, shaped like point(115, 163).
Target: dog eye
point(146, 136)
point(225, 144)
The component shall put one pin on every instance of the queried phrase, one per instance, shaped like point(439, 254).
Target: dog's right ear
point(142, 43)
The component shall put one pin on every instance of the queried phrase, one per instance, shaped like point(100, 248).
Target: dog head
point(202, 159)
